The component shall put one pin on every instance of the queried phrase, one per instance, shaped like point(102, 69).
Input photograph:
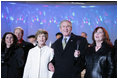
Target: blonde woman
point(38, 58)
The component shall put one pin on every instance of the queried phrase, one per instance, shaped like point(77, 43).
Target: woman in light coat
point(38, 58)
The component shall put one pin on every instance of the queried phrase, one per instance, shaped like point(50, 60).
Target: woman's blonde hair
point(41, 31)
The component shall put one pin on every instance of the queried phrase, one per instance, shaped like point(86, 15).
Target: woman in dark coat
point(98, 58)
point(11, 57)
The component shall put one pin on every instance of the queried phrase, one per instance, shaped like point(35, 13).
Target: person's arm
point(20, 61)
point(50, 64)
point(20, 57)
point(110, 64)
point(79, 55)
point(52, 61)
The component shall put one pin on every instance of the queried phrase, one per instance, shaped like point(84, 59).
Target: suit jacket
point(66, 65)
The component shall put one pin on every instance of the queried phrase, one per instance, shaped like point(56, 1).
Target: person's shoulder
point(27, 44)
point(78, 37)
point(57, 41)
point(34, 48)
point(48, 48)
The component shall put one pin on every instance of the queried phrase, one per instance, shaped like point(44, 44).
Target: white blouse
point(37, 63)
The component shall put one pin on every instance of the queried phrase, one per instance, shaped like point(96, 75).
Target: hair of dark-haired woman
point(12, 47)
point(106, 38)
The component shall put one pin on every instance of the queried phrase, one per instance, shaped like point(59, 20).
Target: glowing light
point(7, 10)
point(86, 21)
point(66, 17)
point(97, 22)
point(2, 15)
point(73, 13)
point(83, 6)
point(11, 18)
point(115, 22)
point(72, 21)
point(89, 23)
point(41, 23)
point(12, 3)
point(37, 19)
point(24, 21)
point(20, 18)
point(45, 5)
point(44, 13)
point(32, 20)
point(50, 21)
point(100, 18)
point(54, 21)
point(40, 13)
point(91, 6)
point(17, 19)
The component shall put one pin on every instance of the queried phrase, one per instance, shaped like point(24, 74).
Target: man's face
point(65, 28)
point(32, 40)
point(58, 36)
point(83, 35)
point(18, 33)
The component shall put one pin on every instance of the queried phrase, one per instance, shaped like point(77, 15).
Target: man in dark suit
point(68, 53)
point(19, 32)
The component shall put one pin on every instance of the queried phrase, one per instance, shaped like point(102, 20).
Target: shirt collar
point(68, 37)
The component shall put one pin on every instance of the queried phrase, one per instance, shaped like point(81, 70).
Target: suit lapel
point(69, 43)
point(59, 45)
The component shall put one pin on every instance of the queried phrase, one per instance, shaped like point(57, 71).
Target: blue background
point(32, 16)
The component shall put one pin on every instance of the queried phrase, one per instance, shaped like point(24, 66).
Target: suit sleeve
point(83, 46)
point(80, 61)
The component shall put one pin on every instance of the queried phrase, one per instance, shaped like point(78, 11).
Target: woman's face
point(41, 39)
point(9, 40)
point(99, 35)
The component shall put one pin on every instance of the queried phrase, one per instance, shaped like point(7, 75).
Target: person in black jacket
point(66, 62)
point(114, 55)
point(11, 57)
point(19, 32)
point(26, 46)
point(99, 63)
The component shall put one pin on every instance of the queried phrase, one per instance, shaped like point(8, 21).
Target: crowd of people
point(67, 57)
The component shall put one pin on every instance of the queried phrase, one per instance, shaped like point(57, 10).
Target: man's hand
point(51, 67)
point(76, 53)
